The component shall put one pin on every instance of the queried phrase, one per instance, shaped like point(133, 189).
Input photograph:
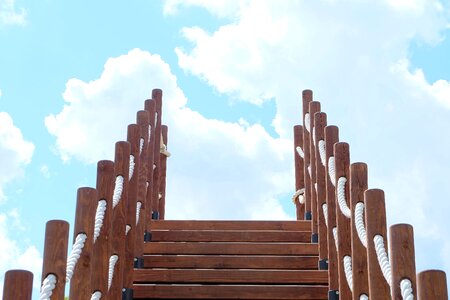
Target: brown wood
point(342, 159)
point(162, 179)
point(18, 285)
point(231, 248)
point(101, 248)
point(80, 284)
point(331, 137)
point(148, 291)
point(230, 236)
point(157, 97)
point(150, 107)
point(55, 255)
point(133, 137)
point(230, 225)
point(402, 258)
point(121, 167)
point(231, 276)
point(314, 107)
point(375, 215)
point(358, 185)
point(299, 169)
point(320, 121)
point(432, 284)
point(231, 262)
point(142, 119)
point(307, 97)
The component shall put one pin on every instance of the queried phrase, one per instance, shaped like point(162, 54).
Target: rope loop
point(48, 285)
point(359, 223)
point(363, 297)
point(348, 271)
point(138, 211)
point(149, 132)
point(131, 169)
point(77, 248)
point(300, 194)
point(300, 151)
point(118, 190)
point(313, 137)
point(332, 170)
point(341, 197)
point(97, 295)
point(99, 216)
point(406, 289)
point(325, 213)
point(322, 152)
point(383, 258)
point(307, 122)
point(112, 262)
point(335, 235)
point(141, 145)
point(127, 229)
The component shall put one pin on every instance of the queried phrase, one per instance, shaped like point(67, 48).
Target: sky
point(73, 74)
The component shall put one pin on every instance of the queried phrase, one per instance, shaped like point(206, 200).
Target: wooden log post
point(314, 107)
point(432, 284)
point(55, 255)
point(307, 97)
point(375, 214)
point(358, 185)
point(342, 165)
point(80, 283)
point(299, 169)
point(162, 178)
point(403, 264)
point(150, 107)
point(157, 97)
point(320, 121)
point(331, 138)
point(142, 120)
point(18, 285)
point(120, 199)
point(101, 247)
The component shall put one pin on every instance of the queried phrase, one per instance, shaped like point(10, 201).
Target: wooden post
point(299, 169)
point(358, 185)
point(375, 214)
point(55, 255)
point(80, 284)
point(331, 138)
point(18, 285)
point(101, 248)
point(320, 121)
point(342, 159)
point(121, 168)
point(314, 107)
point(157, 97)
point(432, 284)
point(142, 120)
point(403, 265)
point(307, 97)
point(162, 178)
point(150, 107)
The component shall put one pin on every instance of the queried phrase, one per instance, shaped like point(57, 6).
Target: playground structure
point(123, 248)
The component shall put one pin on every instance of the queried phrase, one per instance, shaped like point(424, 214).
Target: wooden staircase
point(230, 260)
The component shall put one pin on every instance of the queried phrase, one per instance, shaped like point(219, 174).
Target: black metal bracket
point(127, 294)
point(155, 215)
point(147, 237)
point(308, 215)
point(314, 238)
point(138, 262)
point(323, 264)
point(333, 295)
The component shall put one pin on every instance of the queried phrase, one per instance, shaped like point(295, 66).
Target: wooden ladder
point(230, 260)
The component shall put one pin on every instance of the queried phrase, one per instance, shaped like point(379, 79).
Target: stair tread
point(229, 225)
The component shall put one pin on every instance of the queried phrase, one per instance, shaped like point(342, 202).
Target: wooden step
point(231, 262)
point(157, 291)
point(231, 248)
point(231, 276)
point(229, 225)
point(230, 236)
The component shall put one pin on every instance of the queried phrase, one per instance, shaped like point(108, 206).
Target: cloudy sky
point(74, 73)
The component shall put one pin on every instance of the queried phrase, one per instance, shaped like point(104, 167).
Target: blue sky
point(232, 73)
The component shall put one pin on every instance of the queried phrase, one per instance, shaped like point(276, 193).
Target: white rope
point(300, 194)
point(131, 169)
point(314, 136)
point(154, 166)
point(48, 285)
point(348, 271)
point(77, 248)
point(138, 211)
point(163, 147)
point(300, 151)
point(159, 195)
point(332, 170)
point(383, 259)
point(141, 145)
point(341, 197)
point(363, 297)
point(307, 122)
point(97, 295)
point(149, 132)
point(112, 262)
point(322, 152)
point(118, 190)
point(127, 229)
point(359, 223)
point(315, 187)
point(325, 213)
point(335, 235)
point(99, 216)
point(406, 289)
point(309, 171)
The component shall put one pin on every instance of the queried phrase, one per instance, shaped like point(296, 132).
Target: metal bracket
point(138, 262)
point(155, 215)
point(147, 237)
point(127, 294)
point(323, 264)
point(333, 295)
point(314, 238)
point(308, 215)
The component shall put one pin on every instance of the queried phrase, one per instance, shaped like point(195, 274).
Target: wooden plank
point(229, 236)
point(231, 262)
point(147, 291)
point(231, 276)
point(307, 97)
point(231, 248)
point(229, 225)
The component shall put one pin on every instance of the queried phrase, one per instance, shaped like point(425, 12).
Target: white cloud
point(217, 169)
point(220, 8)
point(45, 171)
point(15, 152)
point(1, 93)
point(10, 14)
